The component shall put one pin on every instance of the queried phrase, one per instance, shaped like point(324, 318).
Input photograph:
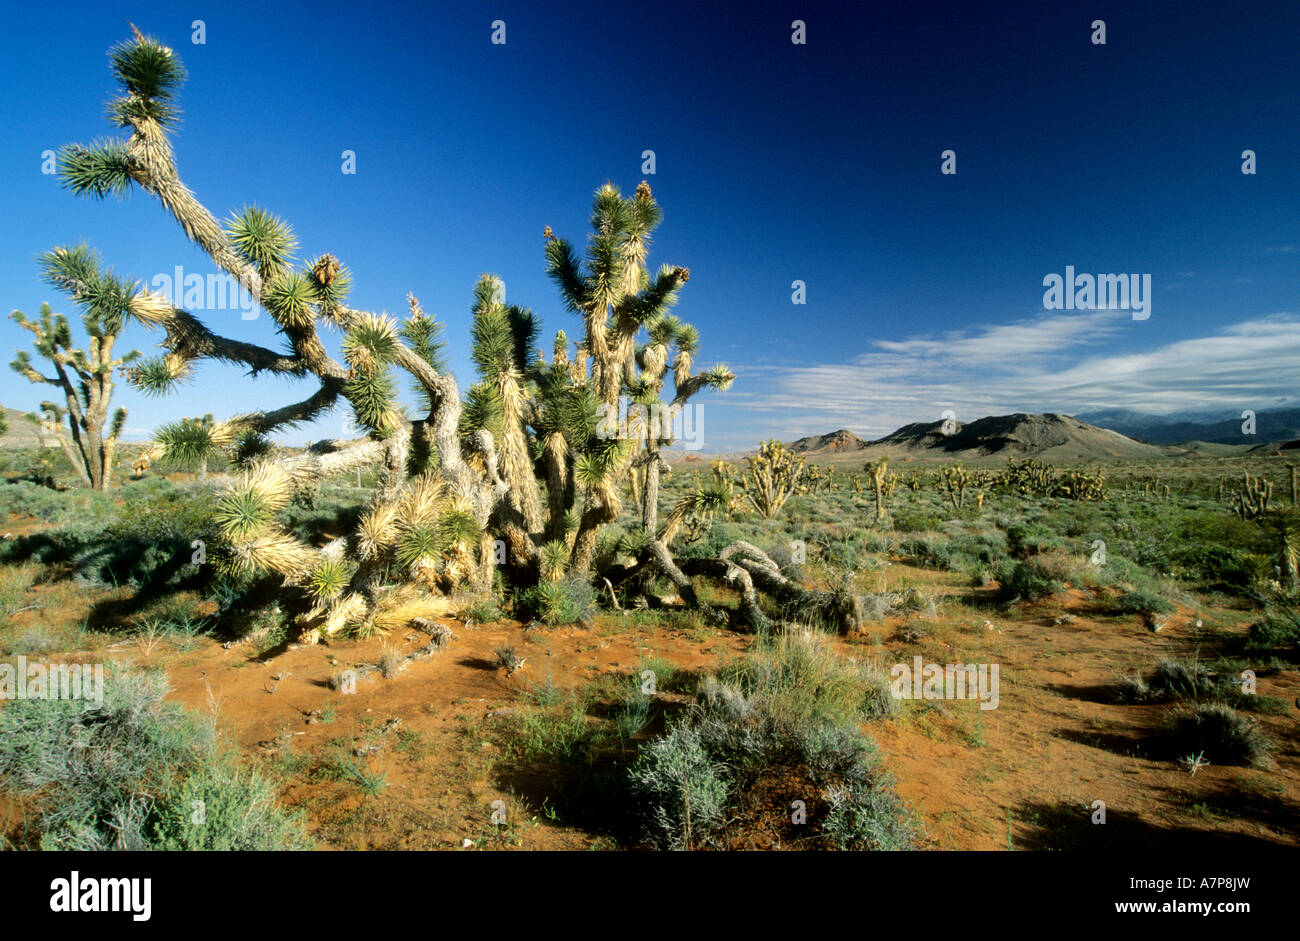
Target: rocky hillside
point(1049, 437)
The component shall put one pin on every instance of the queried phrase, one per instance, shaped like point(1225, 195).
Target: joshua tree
point(523, 473)
point(1252, 497)
point(955, 480)
point(879, 471)
point(85, 377)
point(773, 474)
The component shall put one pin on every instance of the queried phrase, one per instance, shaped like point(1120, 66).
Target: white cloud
point(1036, 366)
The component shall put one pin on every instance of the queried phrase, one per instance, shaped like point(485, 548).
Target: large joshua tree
point(532, 461)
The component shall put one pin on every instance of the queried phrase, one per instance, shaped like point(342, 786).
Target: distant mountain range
point(1049, 437)
point(1273, 425)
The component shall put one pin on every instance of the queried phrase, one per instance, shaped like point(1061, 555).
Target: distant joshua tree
point(85, 377)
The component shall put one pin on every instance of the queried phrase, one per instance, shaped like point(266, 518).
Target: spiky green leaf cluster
point(423, 334)
point(368, 349)
point(554, 560)
point(457, 528)
point(242, 514)
point(151, 74)
point(372, 393)
point(718, 377)
point(291, 300)
point(263, 240)
point(156, 376)
point(687, 339)
point(98, 169)
point(498, 333)
point(328, 578)
point(188, 441)
point(250, 447)
point(482, 410)
point(417, 543)
point(329, 297)
point(104, 297)
point(600, 460)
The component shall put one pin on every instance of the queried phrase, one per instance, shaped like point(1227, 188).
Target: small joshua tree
point(879, 471)
point(85, 377)
point(1252, 498)
point(955, 480)
point(773, 474)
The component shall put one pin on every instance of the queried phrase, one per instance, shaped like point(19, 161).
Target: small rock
point(466, 843)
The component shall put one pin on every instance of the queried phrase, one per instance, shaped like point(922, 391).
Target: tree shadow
point(1071, 828)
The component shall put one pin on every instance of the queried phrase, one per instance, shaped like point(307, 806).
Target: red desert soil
point(445, 796)
point(1023, 775)
point(1027, 775)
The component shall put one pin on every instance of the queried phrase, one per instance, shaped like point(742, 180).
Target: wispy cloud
point(1063, 363)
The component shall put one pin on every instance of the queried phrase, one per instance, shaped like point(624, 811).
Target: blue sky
point(775, 162)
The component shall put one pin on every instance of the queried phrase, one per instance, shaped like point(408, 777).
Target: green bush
point(679, 790)
point(123, 774)
point(1027, 580)
point(1221, 735)
point(1027, 539)
point(1277, 630)
point(569, 601)
point(1142, 601)
point(915, 521)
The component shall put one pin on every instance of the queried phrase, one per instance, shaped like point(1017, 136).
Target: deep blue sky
point(775, 161)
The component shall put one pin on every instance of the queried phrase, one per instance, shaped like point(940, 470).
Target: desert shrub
point(1221, 735)
point(482, 611)
point(239, 812)
point(1027, 539)
point(800, 676)
point(120, 774)
point(1171, 680)
point(146, 542)
point(843, 550)
point(1026, 580)
point(865, 818)
point(722, 534)
point(558, 728)
point(987, 547)
point(1142, 601)
point(564, 602)
point(1225, 565)
point(24, 498)
point(923, 549)
point(1277, 629)
point(679, 790)
point(729, 745)
point(917, 521)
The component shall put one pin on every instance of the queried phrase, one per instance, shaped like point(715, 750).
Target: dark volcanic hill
point(1049, 436)
point(833, 443)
